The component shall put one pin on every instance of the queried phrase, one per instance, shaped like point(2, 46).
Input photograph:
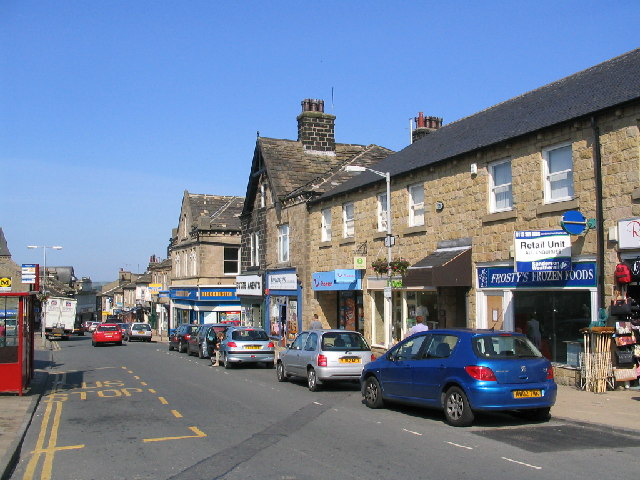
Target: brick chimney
point(424, 126)
point(316, 129)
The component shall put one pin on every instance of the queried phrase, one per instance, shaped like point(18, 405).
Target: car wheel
point(93, 343)
point(269, 365)
point(170, 347)
point(457, 410)
point(280, 373)
point(181, 348)
point(312, 380)
point(119, 343)
point(373, 393)
point(536, 414)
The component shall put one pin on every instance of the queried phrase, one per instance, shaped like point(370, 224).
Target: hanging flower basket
point(380, 266)
point(399, 267)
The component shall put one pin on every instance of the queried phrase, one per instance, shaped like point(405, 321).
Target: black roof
point(611, 83)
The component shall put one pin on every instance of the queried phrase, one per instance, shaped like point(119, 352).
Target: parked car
point(138, 331)
point(93, 325)
point(323, 356)
point(246, 345)
point(198, 344)
point(107, 333)
point(179, 339)
point(463, 372)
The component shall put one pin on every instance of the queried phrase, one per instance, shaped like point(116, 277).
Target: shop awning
point(445, 267)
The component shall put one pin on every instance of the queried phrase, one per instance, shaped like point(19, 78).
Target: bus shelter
point(16, 341)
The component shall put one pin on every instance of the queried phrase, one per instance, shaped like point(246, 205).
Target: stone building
point(160, 271)
point(285, 175)
point(205, 259)
point(461, 194)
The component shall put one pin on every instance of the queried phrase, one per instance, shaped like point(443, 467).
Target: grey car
point(323, 356)
point(247, 345)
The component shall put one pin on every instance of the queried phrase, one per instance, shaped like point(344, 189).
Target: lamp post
point(389, 241)
point(44, 280)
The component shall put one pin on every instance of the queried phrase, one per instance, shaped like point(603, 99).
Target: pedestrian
point(418, 327)
point(316, 323)
point(215, 355)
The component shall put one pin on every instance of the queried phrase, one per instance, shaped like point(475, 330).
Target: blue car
point(462, 372)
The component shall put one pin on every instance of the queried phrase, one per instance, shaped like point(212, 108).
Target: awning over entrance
point(446, 267)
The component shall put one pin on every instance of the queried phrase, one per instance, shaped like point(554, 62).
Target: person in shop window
point(533, 331)
point(418, 327)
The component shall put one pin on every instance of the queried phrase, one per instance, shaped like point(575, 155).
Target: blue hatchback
point(463, 371)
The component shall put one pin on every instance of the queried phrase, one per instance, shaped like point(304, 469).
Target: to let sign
point(629, 233)
point(542, 251)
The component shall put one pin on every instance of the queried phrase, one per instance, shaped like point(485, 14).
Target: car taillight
point(187, 336)
point(232, 344)
point(271, 345)
point(373, 357)
point(322, 360)
point(549, 372)
point(481, 373)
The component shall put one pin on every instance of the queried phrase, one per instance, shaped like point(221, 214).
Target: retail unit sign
point(542, 251)
point(282, 281)
point(629, 233)
point(328, 281)
point(249, 285)
point(581, 275)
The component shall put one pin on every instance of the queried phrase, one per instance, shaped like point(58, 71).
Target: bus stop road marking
point(198, 434)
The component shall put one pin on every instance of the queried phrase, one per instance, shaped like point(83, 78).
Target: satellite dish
point(573, 222)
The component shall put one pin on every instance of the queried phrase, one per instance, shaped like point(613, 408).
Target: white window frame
point(178, 266)
point(382, 212)
point(348, 220)
point(549, 176)
point(263, 196)
point(225, 260)
point(283, 243)
point(255, 250)
point(325, 233)
point(193, 263)
point(497, 189)
point(415, 219)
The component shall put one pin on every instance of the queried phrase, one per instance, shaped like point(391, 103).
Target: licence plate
point(253, 347)
point(350, 360)
point(527, 393)
point(140, 332)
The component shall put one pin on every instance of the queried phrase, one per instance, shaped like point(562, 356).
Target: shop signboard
point(345, 276)
point(217, 294)
point(184, 293)
point(154, 288)
point(5, 284)
point(282, 281)
point(29, 273)
point(581, 275)
point(542, 251)
point(326, 281)
point(249, 285)
point(629, 233)
point(360, 263)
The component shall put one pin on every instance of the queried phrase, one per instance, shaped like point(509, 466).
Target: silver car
point(247, 345)
point(324, 355)
point(138, 331)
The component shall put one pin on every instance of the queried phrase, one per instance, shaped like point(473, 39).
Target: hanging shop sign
point(282, 281)
point(581, 275)
point(249, 285)
point(360, 263)
point(629, 233)
point(325, 281)
point(29, 273)
point(154, 288)
point(542, 251)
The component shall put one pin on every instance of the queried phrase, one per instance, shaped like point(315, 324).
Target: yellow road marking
point(152, 390)
point(144, 384)
point(136, 377)
point(129, 371)
point(176, 413)
point(124, 368)
point(163, 400)
point(198, 434)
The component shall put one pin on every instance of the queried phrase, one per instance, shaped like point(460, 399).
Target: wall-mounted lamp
point(474, 169)
point(439, 206)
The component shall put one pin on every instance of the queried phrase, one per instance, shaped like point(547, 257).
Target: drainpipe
point(597, 170)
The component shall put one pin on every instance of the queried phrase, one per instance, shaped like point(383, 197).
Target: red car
point(107, 333)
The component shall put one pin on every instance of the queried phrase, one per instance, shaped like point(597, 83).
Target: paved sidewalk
point(618, 410)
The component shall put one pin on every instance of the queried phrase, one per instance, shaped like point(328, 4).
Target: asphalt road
point(138, 411)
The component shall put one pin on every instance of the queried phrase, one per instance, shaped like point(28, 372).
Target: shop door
point(495, 312)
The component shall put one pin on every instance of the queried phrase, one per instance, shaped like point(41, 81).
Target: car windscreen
point(249, 335)
point(141, 326)
point(343, 341)
point(504, 346)
point(108, 328)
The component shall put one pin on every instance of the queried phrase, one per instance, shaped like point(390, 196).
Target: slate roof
point(4, 248)
point(611, 83)
point(223, 211)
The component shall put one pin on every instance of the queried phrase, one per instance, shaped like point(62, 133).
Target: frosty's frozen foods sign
point(542, 251)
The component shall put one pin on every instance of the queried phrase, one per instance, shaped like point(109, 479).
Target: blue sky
point(110, 109)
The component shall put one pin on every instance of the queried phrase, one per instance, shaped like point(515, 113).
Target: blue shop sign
point(184, 293)
point(326, 281)
point(580, 275)
point(218, 294)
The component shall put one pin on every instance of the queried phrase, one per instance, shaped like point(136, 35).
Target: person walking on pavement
point(316, 324)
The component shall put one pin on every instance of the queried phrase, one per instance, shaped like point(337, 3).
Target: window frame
point(547, 174)
point(413, 206)
point(382, 211)
point(348, 224)
point(254, 240)
point(325, 231)
point(493, 187)
point(225, 261)
point(283, 243)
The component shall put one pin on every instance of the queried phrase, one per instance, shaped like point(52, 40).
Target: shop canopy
point(445, 267)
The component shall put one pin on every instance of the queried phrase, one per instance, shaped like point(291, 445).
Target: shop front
point(339, 294)
point(249, 291)
point(16, 341)
point(198, 305)
point(550, 307)
point(283, 302)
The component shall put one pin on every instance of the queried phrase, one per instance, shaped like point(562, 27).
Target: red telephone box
point(16, 341)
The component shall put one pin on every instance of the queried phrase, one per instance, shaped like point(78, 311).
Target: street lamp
point(389, 241)
point(44, 280)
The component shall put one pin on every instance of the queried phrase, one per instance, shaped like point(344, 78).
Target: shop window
point(558, 173)
point(350, 311)
point(378, 318)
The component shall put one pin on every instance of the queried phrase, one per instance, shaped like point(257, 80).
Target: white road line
point(461, 446)
point(317, 403)
point(411, 431)
point(521, 463)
